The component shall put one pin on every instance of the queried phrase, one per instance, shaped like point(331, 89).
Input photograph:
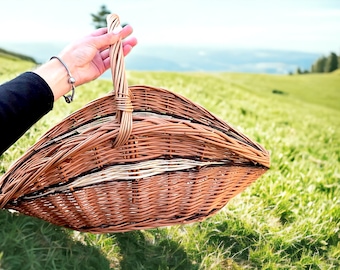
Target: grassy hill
point(14, 56)
point(11, 64)
point(288, 219)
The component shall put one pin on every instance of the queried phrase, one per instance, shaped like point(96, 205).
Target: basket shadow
point(31, 243)
point(151, 249)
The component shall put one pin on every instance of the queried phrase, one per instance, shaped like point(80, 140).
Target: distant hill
point(9, 54)
point(219, 59)
point(180, 58)
point(12, 64)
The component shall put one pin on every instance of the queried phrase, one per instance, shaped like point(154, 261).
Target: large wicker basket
point(138, 158)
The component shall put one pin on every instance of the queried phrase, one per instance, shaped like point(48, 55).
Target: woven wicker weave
point(138, 158)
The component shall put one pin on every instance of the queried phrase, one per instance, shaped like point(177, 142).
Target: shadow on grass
point(151, 250)
point(30, 243)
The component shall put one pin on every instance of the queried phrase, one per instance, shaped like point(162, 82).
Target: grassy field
point(288, 219)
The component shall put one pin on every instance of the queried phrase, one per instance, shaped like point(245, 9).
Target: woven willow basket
point(138, 158)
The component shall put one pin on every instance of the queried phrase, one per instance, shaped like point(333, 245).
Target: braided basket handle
point(122, 95)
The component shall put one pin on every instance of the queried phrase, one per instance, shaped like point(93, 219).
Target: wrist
point(71, 79)
point(56, 76)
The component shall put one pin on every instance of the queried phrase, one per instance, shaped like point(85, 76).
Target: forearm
point(23, 101)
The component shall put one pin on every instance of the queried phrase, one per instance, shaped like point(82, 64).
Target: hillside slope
point(9, 54)
point(13, 64)
point(288, 219)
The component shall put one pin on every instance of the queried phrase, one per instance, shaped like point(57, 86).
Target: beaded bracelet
point(71, 80)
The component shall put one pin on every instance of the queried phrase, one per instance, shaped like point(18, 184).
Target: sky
point(300, 25)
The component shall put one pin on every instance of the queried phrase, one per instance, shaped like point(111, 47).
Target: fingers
point(105, 54)
point(102, 40)
point(106, 58)
point(98, 32)
point(131, 41)
point(126, 31)
point(127, 49)
point(128, 45)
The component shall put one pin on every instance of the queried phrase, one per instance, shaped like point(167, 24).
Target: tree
point(99, 19)
point(298, 70)
point(331, 62)
point(319, 65)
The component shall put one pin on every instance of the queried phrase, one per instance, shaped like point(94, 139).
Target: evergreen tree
point(331, 62)
point(99, 19)
point(319, 65)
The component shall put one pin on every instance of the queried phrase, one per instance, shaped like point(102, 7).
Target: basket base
point(158, 201)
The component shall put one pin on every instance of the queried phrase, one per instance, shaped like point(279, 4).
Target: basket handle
point(121, 89)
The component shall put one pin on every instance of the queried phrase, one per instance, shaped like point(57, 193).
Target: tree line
point(323, 64)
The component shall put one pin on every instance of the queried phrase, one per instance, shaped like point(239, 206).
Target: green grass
point(288, 219)
point(11, 66)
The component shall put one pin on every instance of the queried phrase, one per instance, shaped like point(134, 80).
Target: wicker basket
point(139, 158)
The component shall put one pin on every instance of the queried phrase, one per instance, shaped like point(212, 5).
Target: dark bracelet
point(71, 80)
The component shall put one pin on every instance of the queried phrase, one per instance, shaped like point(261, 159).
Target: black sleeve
point(23, 101)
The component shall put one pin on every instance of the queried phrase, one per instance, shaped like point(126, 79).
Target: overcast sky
point(303, 25)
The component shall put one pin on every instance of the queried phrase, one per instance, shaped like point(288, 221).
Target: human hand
point(88, 58)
